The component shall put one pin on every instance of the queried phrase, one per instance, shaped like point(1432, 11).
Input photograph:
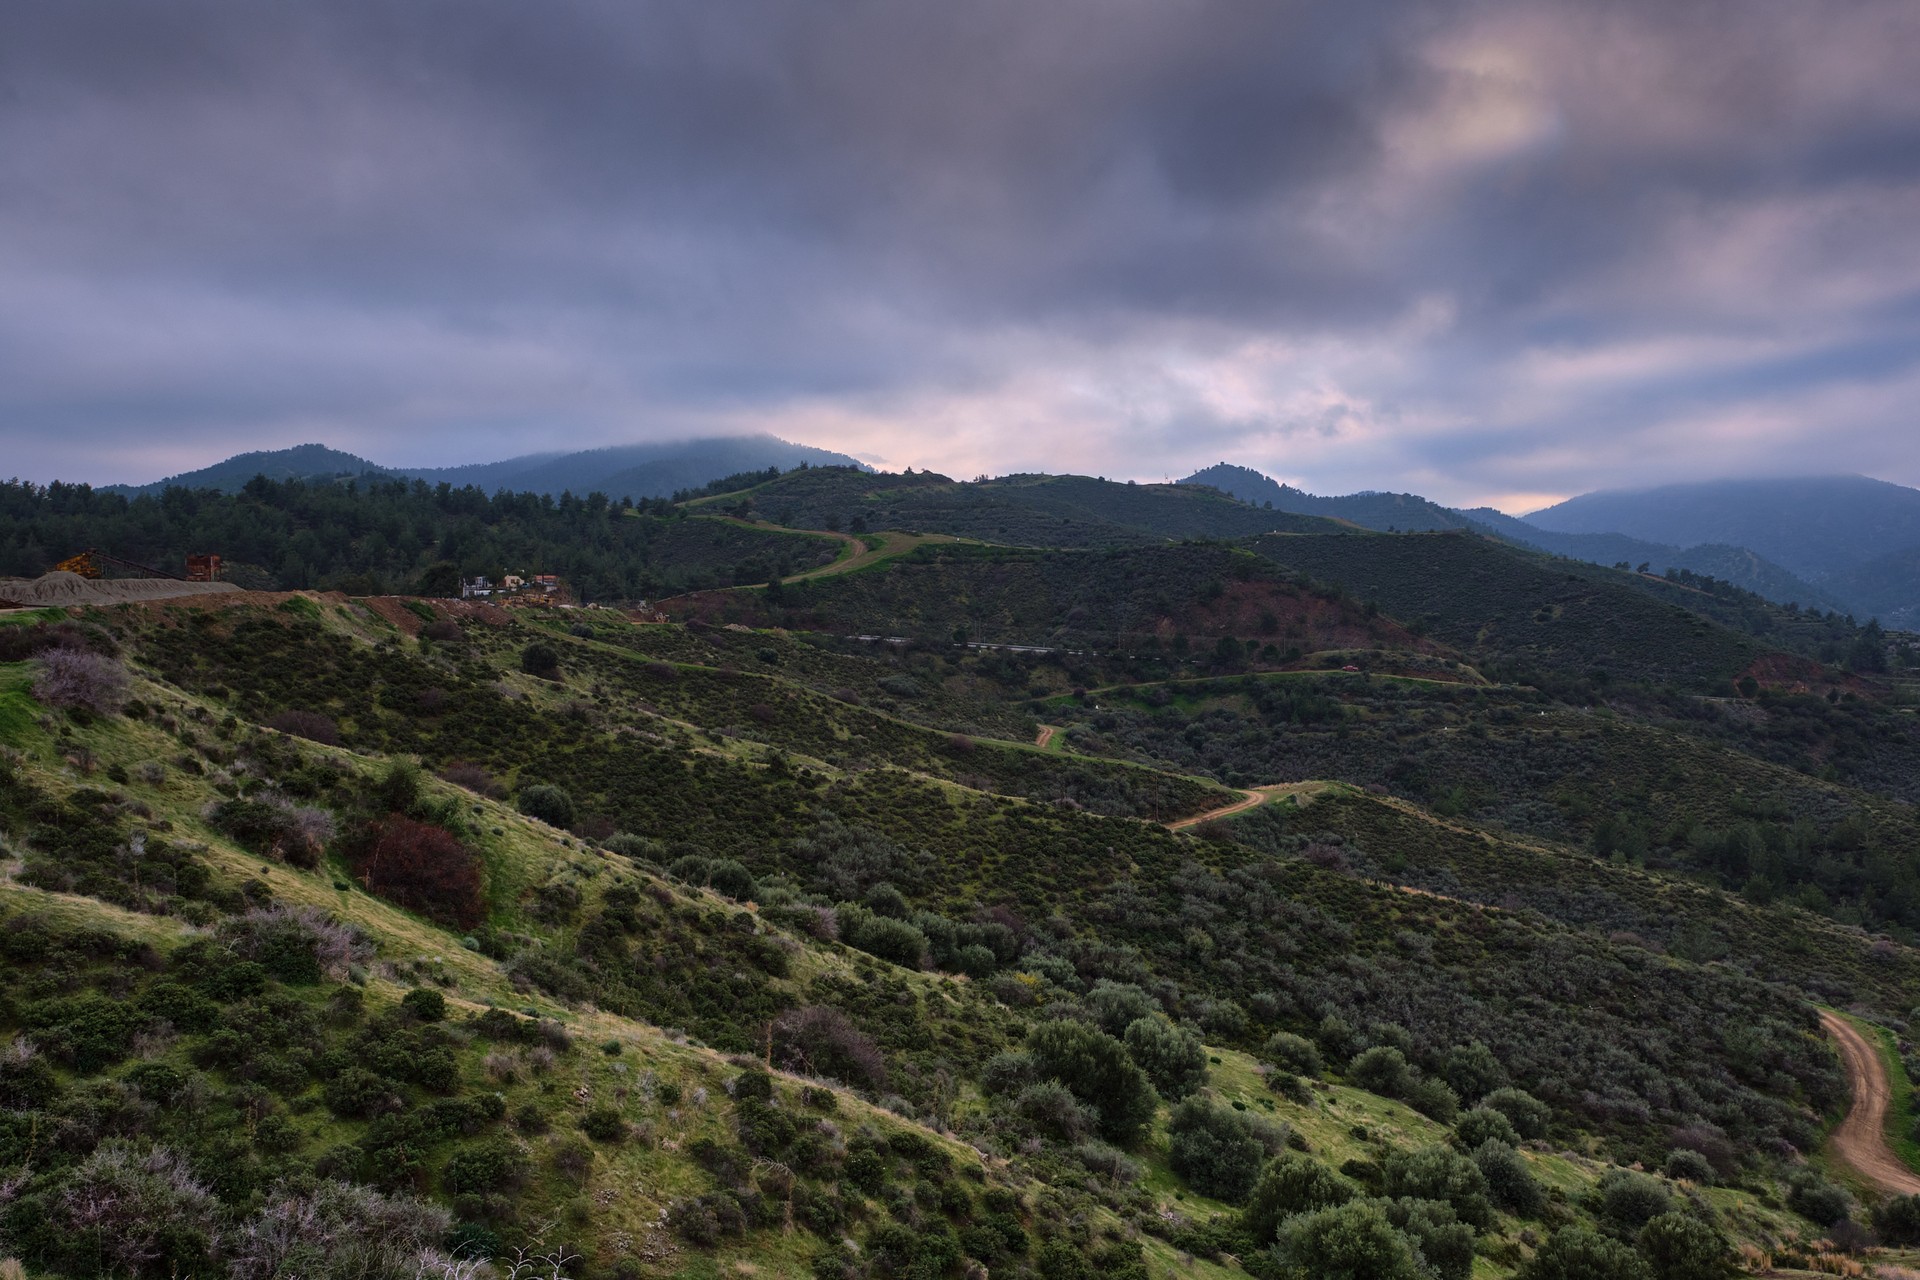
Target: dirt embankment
point(72, 589)
point(1861, 1139)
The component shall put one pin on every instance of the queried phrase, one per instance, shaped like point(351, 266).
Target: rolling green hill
point(382, 936)
point(1021, 510)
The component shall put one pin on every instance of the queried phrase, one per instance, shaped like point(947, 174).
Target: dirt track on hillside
point(1249, 800)
point(1861, 1139)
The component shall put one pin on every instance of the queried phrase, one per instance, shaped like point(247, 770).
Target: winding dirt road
point(1046, 737)
point(1861, 1139)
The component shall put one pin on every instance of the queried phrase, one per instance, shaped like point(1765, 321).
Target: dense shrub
point(421, 867)
point(1291, 1183)
point(367, 1234)
point(1445, 1243)
point(1354, 1241)
point(1472, 1071)
point(494, 1166)
point(1575, 1253)
point(1814, 1198)
point(1097, 1069)
point(1173, 1058)
point(1217, 1151)
point(540, 659)
point(1115, 1006)
point(1382, 1070)
point(1680, 1246)
point(1528, 1114)
point(1053, 1111)
point(1627, 1201)
point(1510, 1183)
point(550, 804)
point(1293, 1053)
point(297, 945)
point(1440, 1173)
point(1898, 1220)
point(1690, 1166)
point(137, 1212)
point(424, 1004)
point(1484, 1124)
point(892, 940)
point(1433, 1098)
point(604, 1124)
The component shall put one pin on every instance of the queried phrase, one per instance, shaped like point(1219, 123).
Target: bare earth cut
point(1861, 1139)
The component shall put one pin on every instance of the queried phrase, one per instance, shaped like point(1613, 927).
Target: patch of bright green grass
point(16, 707)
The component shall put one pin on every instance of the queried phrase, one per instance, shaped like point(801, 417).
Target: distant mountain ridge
point(623, 471)
point(301, 462)
point(636, 470)
point(1852, 536)
point(1411, 513)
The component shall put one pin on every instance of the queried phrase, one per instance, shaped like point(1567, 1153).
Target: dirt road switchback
point(1861, 1139)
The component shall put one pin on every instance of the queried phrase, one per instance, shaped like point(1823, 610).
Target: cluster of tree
point(373, 536)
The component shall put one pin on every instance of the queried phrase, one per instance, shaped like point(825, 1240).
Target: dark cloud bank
point(1485, 251)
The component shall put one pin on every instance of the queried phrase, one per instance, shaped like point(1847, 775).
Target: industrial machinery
point(93, 563)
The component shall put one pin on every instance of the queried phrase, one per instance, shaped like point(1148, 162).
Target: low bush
point(1484, 1124)
point(1293, 1053)
point(548, 803)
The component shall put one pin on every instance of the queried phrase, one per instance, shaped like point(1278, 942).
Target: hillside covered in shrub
point(1134, 908)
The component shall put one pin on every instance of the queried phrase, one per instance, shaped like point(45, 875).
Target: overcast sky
point(1497, 252)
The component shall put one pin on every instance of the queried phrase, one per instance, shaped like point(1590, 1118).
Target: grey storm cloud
point(1489, 251)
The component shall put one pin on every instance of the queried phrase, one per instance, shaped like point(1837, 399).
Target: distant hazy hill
point(1816, 527)
point(631, 471)
point(635, 470)
point(1852, 536)
point(1405, 511)
point(1739, 565)
point(302, 462)
point(1386, 512)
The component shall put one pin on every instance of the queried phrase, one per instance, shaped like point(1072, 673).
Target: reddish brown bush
point(473, 777)
point(820, 1040)
point(420, 867)
point(311, 725)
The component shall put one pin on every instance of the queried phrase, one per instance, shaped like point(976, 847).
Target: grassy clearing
point(17, 709)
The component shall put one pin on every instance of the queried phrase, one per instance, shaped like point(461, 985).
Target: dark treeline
point(377, 536)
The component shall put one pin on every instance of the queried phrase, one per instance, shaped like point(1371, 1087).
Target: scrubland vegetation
point(548, 942)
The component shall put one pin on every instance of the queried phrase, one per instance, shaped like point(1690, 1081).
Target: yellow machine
point(83, 564)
